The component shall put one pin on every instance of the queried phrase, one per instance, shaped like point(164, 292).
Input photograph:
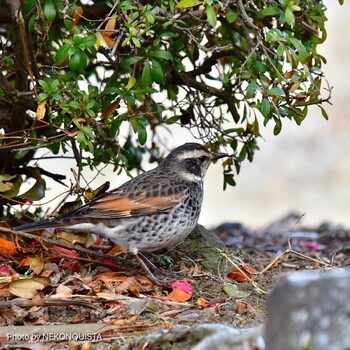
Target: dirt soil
point(43, 284)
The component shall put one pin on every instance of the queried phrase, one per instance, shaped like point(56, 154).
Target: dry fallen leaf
point(76, 16)
point(25, 288)
point(7, 247)
point(62, 292)
point(41, 110)
point(201, 302)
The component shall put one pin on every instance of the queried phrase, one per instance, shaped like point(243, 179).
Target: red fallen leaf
point(65, 251)
point(5, 271)
point(241, 274)
point(216, 302)
point(109, 262)
point(182, 284)
point(99, 240)
point(311, 245)
point(69, 264)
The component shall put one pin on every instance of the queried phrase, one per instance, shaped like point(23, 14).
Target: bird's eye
point(203, 158)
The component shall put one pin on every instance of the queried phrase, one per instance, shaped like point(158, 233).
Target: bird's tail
point(47, 223)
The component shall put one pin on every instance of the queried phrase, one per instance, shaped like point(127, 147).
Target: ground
point(45, 284)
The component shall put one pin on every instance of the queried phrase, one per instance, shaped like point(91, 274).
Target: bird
point(154, 210)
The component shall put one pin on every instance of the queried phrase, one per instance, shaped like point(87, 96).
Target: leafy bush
point(73, 74)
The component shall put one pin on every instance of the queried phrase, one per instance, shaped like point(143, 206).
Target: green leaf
point(75, 104)
point(233, 291)
point(278, 127)
point(146, 78)
point(290, 19)
point(229, 180)
point(266, 12)
point(141, 133)
point(188, 3)
point(265, 107)
point(89, 40)
point(136, 41)
point(49, 10)
point(324, 113)
point(130, 61)
point(302, 53)
point(81, 137)
point(54, 85)
point(62, 54)
point(45, 85)
point(37, 191)
point(211, 15)
point(276, 92)
point(78, 61)
point(280, 49)
point(157, 73)
point(252, 88)
point(149, 17)
point(231, 17)
point(165, 55)
point(41, 97)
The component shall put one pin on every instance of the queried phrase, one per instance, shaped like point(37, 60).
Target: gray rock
point(310, 310)
point(206, 336)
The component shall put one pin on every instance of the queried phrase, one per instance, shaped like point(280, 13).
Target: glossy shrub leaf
point(278, 127)
point(267, 12)
point(141, 133)
point(211, 15)
point(62, 54)
point(231, 17)
point(324, 113)
point(49, 10)
point(302, 53)
point(290, 19)
point(157, 73)
point(188, 3)
point(146, 77)
point(165, 55)
point(78, 61)
point(41, 97)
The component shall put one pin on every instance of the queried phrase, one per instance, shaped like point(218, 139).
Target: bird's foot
point(148, 265)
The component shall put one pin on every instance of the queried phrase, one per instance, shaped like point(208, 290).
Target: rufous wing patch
point(135, 206)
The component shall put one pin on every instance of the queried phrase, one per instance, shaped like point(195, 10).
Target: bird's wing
point(116, 205)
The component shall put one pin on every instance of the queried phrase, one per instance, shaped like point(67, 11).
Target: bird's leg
point(155, 269)
point(141, 259)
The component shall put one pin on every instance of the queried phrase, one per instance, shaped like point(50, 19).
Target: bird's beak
point(219, 155)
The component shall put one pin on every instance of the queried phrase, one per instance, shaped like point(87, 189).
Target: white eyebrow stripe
point(190, 177)
point(193, 154)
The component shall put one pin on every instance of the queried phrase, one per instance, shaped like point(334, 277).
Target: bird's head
point(191, 161)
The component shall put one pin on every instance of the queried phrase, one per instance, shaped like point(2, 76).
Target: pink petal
point(182, 284)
